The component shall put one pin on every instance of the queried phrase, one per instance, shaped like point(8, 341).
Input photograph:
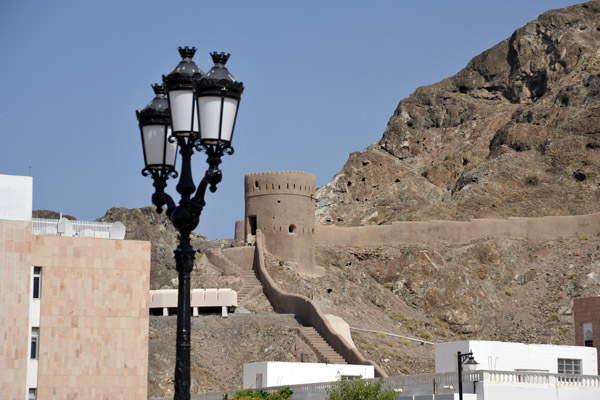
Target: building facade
point(586, 315)
point(73, 310)
point(509, 356)
point(274, 373)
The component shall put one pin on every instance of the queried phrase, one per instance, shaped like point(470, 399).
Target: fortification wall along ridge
point(306, 310)
point(282, 205)
point(460, 232)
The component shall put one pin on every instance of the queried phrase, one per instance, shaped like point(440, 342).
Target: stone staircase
point(251, 286)
point(323, 350)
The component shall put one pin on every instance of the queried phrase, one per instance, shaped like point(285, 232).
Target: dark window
point(37, 282)
point(32, 394)
point(569, 366)
point(589, 343)
point(36, 287)
point(292, 228)
point(35, 338)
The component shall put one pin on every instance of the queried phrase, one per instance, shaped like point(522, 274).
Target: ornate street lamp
point(470, 364)
point(155, 126)
point(203, 111)
point(218, 95)
point(179, 85)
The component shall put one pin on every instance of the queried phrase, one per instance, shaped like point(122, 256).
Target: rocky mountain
point(51, 215)
point(145, 224)
point(489, 289)
point(515, 133)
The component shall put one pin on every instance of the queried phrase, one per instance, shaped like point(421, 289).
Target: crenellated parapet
point(285, 182)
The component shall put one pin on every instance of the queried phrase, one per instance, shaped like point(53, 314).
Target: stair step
point(323, 350)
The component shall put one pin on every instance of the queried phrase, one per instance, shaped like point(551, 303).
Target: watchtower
point(282, 206)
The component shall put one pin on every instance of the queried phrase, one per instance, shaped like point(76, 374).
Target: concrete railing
point(460, 232)
point(201, 298)
point(306, 310)
point(65, 227)
point(578, 380)
point(539, 378)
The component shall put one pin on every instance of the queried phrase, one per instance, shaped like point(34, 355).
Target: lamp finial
point(158, 89)
point(219, 58)
point(187, 52)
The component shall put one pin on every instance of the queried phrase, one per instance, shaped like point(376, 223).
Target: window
point(32, 394)
point(588, 335)
point(569, 366)
point(37, 282)
point(35, 339)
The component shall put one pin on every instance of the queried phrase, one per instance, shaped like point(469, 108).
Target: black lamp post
point(469, 362)
point(198, 113)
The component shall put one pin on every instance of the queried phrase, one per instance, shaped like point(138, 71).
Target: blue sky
point(322, 79)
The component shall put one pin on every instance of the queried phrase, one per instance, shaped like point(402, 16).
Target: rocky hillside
point(490, 289)
point(146, 224)
point(515, 133)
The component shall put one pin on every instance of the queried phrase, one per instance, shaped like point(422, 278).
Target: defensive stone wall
point(239, 231)
point(458, 232)
point(306, 310)
point(282, 206)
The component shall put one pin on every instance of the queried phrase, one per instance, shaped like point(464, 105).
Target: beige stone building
point(282, 206)
point(73, 310)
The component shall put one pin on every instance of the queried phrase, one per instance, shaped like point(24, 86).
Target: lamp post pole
point(468, 360)
point(198, 113)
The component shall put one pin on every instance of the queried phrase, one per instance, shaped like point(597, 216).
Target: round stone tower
point(282, 206)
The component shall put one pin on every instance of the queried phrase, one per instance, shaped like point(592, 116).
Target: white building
point(270, 373)
point(505, 356)
point(513, 371)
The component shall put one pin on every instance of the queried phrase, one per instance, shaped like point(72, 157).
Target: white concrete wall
point(290, 373)
point(493, 391)
point(502, 356)
point(16, 201)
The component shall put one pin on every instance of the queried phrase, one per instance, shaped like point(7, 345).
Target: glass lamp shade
point(184, 115)
point(218, 96)
point(471, 364)
point(159, 153)
point(217, 121)
point(155, 127)
point(179, 85)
